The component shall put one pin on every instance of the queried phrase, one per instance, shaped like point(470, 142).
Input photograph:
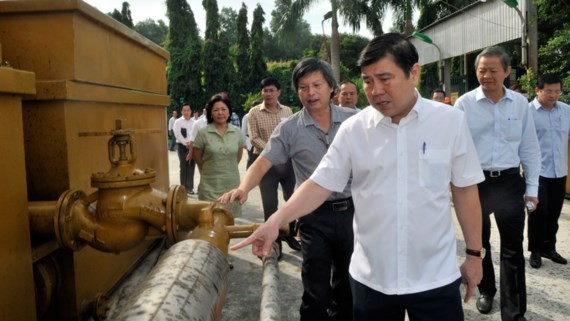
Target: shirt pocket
point(434, 169)
point(514, 129)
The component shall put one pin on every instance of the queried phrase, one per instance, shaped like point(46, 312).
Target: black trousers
point(251, 157)
point(543, 222)
point(327, 240)
point(443, 303)
point(186, 168)
point(268, 186)
point(504, 197)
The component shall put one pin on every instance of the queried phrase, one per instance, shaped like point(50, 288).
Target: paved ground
point(548, 287)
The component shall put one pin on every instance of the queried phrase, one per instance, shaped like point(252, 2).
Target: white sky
point(156, 9)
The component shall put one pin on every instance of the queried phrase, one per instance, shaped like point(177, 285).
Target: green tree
point(283, 72)
point(432, 11)
point(218, 68)
point(350, 48)
point(244, 82)
point(228, 24)
point(353, 12)
point(183, 69)
point(124, 16)
point(285, 46)
point(258, 65)
point(156, 31)
point(553, 46)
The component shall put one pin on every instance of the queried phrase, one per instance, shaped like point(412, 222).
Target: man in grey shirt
point(326, 234)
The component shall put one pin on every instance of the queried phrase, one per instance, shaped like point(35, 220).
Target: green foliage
point(154, 31)
point(528, 82)
point(285, 46)
point(217, 67)
point(244, 83)
point(256, 60)
point(184, 68)
point(283, 72)
point(124, 16)
point(350, 48)
point(250, 98)
point(429, 79)
point(228, 23)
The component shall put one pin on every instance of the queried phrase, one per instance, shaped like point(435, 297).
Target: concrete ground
point(548, 288)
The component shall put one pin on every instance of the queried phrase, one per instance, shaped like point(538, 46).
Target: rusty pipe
point(270, 305)
point(77, 225)
point(114, 220)
point(41, 216)
point(188, 283)
point(211, 227)
point(241, 231)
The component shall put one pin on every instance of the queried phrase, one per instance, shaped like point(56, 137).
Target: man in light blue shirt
point(552, 122)
point(503, 131)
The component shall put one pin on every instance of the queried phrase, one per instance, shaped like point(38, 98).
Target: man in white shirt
point(348, 95)
point(404, 154)
point(182, 129)
point(505, 138)
point(171, 131)
point(552, 122)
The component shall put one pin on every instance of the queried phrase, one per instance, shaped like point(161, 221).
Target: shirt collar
point(262, 106)
point(307, 120)
point(537, 105)
point(417, 111)
point(212, 128)
point(479, 94)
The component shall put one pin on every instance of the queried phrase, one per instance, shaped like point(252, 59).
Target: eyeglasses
point(552, 92)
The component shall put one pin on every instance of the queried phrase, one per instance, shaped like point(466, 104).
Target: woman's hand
point(235, 194)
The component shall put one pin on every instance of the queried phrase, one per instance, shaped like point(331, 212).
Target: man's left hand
point(471, 275)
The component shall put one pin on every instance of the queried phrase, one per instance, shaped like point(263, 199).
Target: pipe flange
point(63, 220)
point(176, 195)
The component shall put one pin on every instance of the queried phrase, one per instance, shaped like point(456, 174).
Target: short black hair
point(348, 82)
point(437, 90)
point(391, 44)
point(270, 81)
point(310, 65)
point(548, 79)
point(210, 105)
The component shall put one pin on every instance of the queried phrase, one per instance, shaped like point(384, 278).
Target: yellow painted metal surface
point(16, 278)
point(89, 71)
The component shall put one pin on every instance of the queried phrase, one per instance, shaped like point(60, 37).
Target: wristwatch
point(481, 253)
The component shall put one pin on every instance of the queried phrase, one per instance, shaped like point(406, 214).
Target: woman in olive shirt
point(218, 149)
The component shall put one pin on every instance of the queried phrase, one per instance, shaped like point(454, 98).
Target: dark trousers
point(442, 303)
point(543, 222)
point(251, 157)
point(327, 244)
point(172, 142)
point(186, 168)
point(504, 196)
point(278, 174)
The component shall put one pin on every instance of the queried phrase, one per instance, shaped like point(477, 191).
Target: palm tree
point(353, 12)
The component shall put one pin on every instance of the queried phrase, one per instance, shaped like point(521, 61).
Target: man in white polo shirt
point(404, 153)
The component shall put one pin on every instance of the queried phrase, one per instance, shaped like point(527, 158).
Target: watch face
point(483, 253)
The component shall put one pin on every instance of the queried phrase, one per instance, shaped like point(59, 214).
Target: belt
point(501, 173)
point(337, 205)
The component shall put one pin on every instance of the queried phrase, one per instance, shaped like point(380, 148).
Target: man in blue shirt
point(552, 122)
point(505, 138)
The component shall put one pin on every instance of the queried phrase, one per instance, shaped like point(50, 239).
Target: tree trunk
point(335, 44)
point(408, 25)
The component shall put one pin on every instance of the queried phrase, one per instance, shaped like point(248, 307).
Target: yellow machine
point(84, 164)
